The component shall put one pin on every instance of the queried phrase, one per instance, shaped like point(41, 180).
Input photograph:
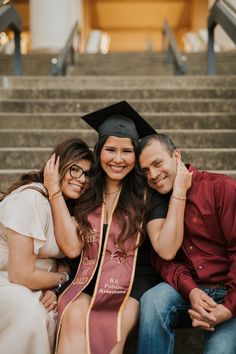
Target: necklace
point(113, 191)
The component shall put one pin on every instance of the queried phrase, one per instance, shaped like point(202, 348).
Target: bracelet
point(66, 275)
point(57, 290)
point(56, 195)
point(177, 197)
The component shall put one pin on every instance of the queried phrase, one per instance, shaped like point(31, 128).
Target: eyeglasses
point(76, 172)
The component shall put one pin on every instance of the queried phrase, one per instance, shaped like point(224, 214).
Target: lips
point(76, 187)
point(117, 168)
point(159, 181)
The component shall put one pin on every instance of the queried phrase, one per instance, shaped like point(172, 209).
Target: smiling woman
point(117, 159)
point(28, 251)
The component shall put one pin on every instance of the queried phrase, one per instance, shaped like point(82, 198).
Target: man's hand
point(202, 314)
point(205, 313)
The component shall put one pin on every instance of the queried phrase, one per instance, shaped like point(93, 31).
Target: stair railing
point(10, 18)
point(59, 63)
point(173, 54)
point(224, 14)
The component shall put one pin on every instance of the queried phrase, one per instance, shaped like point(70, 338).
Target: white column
point(51, 22)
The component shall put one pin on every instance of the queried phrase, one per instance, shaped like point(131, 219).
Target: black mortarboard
point(119, 119)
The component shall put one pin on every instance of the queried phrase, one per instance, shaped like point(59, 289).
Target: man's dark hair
point(162, 138)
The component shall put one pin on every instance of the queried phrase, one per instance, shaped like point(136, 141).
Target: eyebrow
point(152, 163)
point(124, 148)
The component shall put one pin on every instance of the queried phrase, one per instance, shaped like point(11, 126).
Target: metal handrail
point(219, 14)
point(9, 18)
point(230, 5)
point(59, 63)
point(172, 52)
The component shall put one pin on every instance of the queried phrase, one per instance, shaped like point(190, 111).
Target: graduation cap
point(119, 119)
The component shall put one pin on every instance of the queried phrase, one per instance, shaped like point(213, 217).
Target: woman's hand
point(49, 300)
point(52, 176)
point(183, 179)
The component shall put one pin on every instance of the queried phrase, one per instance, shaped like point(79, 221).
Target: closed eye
point(145, 171)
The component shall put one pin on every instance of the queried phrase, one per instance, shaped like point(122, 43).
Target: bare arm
point(64, 225)
point(166, 235)
point(21, 265)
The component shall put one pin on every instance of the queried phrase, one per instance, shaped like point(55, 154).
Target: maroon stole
point(113, 285)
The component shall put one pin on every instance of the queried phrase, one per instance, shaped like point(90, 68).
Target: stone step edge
point(25, 149)
point(88, 130)
point(118, 88)
point(146, 114)
point(177, 78)
point(92, 100)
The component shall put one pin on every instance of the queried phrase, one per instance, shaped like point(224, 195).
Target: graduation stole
point(113, 284)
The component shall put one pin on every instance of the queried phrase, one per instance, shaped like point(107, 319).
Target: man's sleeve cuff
point(186, 286)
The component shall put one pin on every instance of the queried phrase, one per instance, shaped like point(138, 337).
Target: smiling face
point(117, 157)
point(159, 166)
point(71, 187)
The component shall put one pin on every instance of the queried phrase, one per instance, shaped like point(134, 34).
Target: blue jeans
point(163, 309)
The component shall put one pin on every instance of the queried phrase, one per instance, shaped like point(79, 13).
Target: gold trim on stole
point(94, 270)
point(101, 263)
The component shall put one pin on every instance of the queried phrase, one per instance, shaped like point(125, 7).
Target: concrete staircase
point(36, 113)
point(129, 64)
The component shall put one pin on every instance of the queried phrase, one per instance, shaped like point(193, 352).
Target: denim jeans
point(163, 309)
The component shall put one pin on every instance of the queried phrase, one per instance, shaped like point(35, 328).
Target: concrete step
point(88, 105)
point(118, 82)
point(202, 158)
point(187, 138)
point(32, 64)
point(117, 69)
point(228, 68)
point(117, 93)
point(159, 120)
point(116, 63)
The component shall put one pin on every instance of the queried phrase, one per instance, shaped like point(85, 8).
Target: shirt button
point(190, 247)
point(200, 267)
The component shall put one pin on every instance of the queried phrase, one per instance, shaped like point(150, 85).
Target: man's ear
point(177, 155)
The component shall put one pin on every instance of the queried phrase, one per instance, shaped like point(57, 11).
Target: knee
point(156, 300)
point(73, 322)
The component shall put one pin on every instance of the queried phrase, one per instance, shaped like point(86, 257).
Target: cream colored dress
point(25, 326)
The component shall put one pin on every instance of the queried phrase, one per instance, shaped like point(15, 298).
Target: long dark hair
point(69, 151)
point(130, 209)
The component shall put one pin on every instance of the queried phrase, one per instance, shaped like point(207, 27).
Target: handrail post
point(59, 63)
point(224, 14)
point(9, 18)
point(17, 54)
point(173, 54)
point(72, 55)
point(211, 57)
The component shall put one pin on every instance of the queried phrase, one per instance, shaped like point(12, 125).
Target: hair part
point(161, 138)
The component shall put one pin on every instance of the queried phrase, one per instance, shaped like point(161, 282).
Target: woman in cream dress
point(28, 252)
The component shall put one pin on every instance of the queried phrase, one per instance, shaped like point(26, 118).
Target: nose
point(154, 172)
point(118, 158)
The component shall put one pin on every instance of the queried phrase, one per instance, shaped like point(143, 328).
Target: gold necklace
point(113, 191)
